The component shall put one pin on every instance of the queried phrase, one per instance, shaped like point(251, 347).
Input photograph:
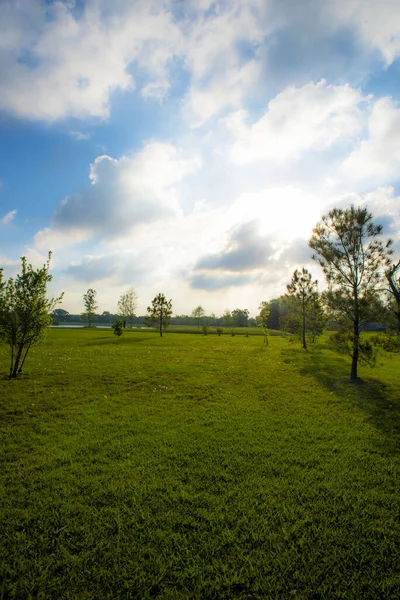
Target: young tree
point(347, 246)
point(198, 314)
point(160, 312)
point(394, 285)
point(303, 292)
point(25, 311)
point(127, 305)
point(262, 320)
point(118, 327)
point(89, 300)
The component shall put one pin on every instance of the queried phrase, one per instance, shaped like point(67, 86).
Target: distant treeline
point(236, 318)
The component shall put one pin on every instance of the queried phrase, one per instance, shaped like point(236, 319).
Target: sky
point(189, 147)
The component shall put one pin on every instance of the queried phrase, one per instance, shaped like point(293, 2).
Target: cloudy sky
point(190, 146)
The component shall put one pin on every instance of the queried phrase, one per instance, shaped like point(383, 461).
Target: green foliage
point(198, 314)
point(205, 329)
point(343, 342)
point(118, 327)
point(305, 316)
point(127, 305)
point(90, 304)
point(262, 320)
point(387, 341)
point(240, 317)
point(347, 246)
point(394, 292)
point(159, 312)
point(25, 311)
point(219, 330)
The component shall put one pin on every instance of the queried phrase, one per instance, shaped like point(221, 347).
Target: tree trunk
point(303, 329)
point(356, 340)
point(16, 362)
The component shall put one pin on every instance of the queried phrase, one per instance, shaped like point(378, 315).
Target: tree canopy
point(159, 312)
point(348, 247)
point(25, 311)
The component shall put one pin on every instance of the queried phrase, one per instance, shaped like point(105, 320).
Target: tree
point(89, 300)
point(198, 314)
point(394, 285)
point(262, 320)
point(347, 246)
point(127, 305)
point(303, 306)
point(159, 312)
point(59, 315)
point(240, 317)
point(25, 311)
point(118, 327)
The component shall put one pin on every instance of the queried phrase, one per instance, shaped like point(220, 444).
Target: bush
point(219, 330)
point(118, 327)
point(342, 342)
point(387, 341)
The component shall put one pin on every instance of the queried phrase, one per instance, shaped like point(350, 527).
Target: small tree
point(159, 312)
point(198, 314)
point(262, 320)
point(303, 304)
point(127, 305)
point(25, 311)
point(394, 286)
point(118, 327)
point(89, 300)
point(347, 247)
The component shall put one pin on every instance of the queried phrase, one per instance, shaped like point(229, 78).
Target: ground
point(198, 467)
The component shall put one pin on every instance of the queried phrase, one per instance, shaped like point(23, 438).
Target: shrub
point(118, 327)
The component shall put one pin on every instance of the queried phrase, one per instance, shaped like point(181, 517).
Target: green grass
point(198, 467)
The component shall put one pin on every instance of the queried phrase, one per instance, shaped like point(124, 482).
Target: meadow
point(197, 467)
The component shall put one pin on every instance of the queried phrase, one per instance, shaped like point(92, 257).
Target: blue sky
point(189, 147)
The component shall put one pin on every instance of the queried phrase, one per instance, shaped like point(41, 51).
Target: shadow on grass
point(380, 402)
point(107, 340)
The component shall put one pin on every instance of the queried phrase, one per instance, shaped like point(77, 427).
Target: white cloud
point(313, 117)
point(124, 194)
point(377, 159)
point(8, 217)
point(377, 23)
point(55, 64)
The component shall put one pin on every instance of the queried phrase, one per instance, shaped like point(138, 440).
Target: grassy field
point(197, 467)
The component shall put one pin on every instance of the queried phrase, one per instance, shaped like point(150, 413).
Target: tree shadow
point(379, 401)
point(105, 340)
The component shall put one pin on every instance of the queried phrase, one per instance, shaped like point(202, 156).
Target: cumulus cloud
point(124, 193)
point(312, 117)
point(59, 59)
point(376, 24)
point(8, 217)
point(245, 250)
point(57, 63)
point(377, 158)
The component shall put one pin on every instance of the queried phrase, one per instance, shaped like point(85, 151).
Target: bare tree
point(127, 305)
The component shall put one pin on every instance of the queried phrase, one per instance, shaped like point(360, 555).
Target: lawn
point(197, 467)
